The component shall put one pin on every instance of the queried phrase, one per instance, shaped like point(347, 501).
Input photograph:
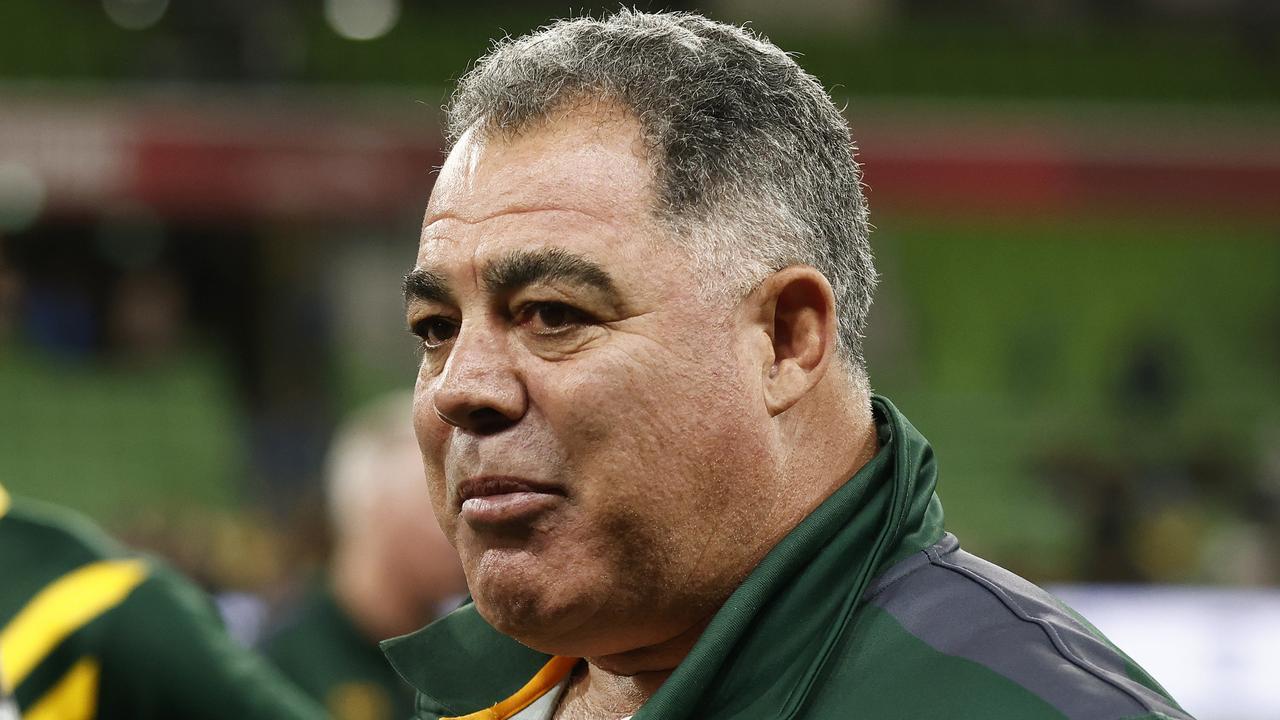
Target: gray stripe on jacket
point(964, 606)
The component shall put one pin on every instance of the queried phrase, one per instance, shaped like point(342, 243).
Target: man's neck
point(829, 440)
point(595, 694)
point(615, 686)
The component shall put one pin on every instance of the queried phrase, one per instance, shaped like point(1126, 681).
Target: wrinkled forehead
point(587, 161)
point(579, 183)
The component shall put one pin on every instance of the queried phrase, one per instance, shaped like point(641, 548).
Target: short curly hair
point(753, 165)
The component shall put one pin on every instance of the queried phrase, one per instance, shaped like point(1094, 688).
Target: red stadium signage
point(342, 156)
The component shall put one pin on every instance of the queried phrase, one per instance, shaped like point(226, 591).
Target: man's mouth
point(501, 500)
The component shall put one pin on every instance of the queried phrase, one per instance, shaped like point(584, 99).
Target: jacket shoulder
point(988, 638)
point(53, 531)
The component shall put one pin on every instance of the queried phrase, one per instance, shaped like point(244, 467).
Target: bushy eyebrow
point(512, 271)
point(426, 286)
point(521, 268)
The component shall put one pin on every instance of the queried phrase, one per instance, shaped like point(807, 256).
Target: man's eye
point(552, 317)
point(435, 331)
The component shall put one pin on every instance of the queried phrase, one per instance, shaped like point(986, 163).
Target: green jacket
point(88, 631)
point(867, 609)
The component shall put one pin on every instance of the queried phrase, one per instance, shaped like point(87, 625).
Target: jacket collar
point(794, 605)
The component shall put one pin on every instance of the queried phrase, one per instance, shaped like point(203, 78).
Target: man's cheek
point(431, 432)
point(438, 494)
point(622, 385)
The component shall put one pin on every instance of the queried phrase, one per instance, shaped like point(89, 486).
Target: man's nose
point(479, 389)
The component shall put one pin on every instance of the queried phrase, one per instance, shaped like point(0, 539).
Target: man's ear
point(796, 308)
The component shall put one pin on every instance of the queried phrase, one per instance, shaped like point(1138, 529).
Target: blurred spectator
point(1165, 507)
point(88, 630)
point(146, 316)
point(392, 570)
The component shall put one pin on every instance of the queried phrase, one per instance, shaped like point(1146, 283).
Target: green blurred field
point(1011, 336)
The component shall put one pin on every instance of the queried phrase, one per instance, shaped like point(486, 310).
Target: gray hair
point(753, 166)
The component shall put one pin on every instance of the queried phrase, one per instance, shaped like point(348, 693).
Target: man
point(641, 288)
point(391, 571)
point(88, 630)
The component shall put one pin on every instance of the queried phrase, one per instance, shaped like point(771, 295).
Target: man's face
point(592, 428)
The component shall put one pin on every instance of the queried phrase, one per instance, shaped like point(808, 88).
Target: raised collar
point(794, 605)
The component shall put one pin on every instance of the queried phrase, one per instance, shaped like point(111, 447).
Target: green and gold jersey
point(90, 631)
point(322, 651)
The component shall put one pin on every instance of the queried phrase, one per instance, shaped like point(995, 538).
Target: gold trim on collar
point(557, 669)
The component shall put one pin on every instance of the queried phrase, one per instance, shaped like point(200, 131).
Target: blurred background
point(206, 208)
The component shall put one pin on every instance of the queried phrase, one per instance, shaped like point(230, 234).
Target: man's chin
point(553, 604)
point(556, 623)
point(566, 632)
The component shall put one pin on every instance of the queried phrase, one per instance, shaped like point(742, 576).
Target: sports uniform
point(88, 630)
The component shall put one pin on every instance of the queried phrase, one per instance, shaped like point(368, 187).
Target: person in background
point(91, 631)
point(392, 570)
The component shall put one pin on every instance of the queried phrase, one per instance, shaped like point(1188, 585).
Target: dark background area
point(206, 207)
